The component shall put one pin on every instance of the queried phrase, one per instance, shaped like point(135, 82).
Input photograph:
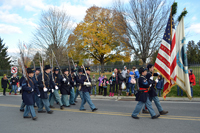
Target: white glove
point(45, 89)
point(74, 74)
point(151, 77)
point(156, 80)
point(56, 87)
point(52, 90)
point(64, 80)
point(39, 95)
point(89, 83)
point(85, 83)
point(32, 90)
point(150, 85)
point(19, 88)
point(158, 73)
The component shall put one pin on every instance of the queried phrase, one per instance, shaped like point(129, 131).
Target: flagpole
point(171, 25)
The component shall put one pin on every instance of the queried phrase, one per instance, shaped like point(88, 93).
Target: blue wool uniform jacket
point(28, 92)
point(152, 91)
point(48, 83)
point(85, 88)
point(143, 84)
point(57, 79)
point(66, 86)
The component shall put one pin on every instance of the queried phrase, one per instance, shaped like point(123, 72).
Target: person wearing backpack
point(159, 85)
point(131, 84)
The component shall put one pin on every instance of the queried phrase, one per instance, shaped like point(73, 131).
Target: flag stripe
point(164, 60)
point(165, 49)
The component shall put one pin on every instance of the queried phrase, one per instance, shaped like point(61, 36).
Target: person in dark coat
point(14, 80)
point(4, 83)
point(44, 88)
point(55, 95)
point(21, 91)
point(66, 87)
point(152, 92)
point(105, 83)
point(37, 72)
point(78, 85)
point(86, 90)
point(120, 80)
point(28, 87)
point(72, 93)
point(112, 81)
point(142, 96)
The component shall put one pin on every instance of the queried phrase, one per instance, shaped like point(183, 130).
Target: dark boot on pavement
point(163, 112)
point(155, 117)
point(145, 111)
point(51, 107)
point(50, 112)
point(34, 118)
point(135, 117)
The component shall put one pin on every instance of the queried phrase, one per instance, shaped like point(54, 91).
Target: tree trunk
point(102, 67)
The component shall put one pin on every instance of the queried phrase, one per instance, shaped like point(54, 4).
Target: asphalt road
point(112, 117)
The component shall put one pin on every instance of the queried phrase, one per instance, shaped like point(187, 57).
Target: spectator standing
point(117, 82)
point(131, 84)
point(94, 83)
point(124, 72)
point(4, 83)
point(192, 81)
point(178, 90)
point(105, 85)
point(137, 75)
point(159, 85)
point(14, 81)
point(120, 81)
point(112, 81)
point(100, 84)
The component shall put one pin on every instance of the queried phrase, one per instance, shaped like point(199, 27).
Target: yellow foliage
point(97, 38)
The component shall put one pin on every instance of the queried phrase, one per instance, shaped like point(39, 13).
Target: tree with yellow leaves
point(97, 38)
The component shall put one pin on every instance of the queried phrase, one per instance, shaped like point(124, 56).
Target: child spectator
point(112, 81)
point(159, 85)
point(105, 85)
point(100, 84)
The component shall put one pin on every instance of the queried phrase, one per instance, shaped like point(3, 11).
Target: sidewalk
point(132, 98)
point(129, 98)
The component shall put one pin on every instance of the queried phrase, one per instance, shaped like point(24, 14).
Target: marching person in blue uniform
point(28, 87)
point(72, 94)
point(37, 72)
point(152, 92)
point(78, 85)
point(20, 89)
point(55, 95)
point(44, 89)
point(142, 96)
point(65, 87)
point(86, 89)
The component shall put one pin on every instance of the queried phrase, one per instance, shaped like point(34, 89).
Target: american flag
point(25, 46)
point(166, 59)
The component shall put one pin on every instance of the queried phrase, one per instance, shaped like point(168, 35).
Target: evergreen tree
point(4, 58)
point(192, 52)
